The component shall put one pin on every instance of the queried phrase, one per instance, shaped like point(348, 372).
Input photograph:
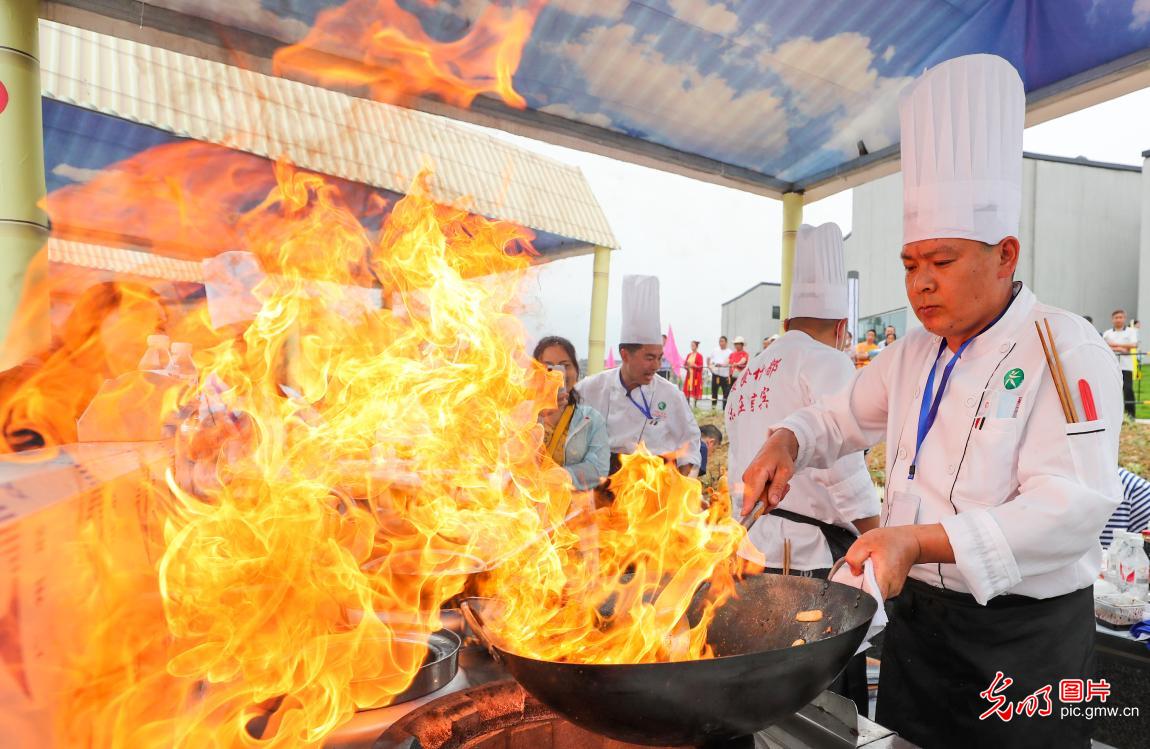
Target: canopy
point(773, 97)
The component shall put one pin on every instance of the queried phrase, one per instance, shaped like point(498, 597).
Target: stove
point(481, 708)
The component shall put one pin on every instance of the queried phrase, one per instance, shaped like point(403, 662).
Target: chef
point(638, 404)
point(825, 509)
point(994, 499)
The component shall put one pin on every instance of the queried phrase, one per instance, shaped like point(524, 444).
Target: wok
point(757, 678)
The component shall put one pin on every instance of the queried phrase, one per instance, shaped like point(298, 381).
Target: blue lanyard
point(928, 409)
point(644, 409)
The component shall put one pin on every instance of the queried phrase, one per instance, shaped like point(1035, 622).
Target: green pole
point(24, 322)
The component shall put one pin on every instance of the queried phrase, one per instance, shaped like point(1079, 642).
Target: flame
point(361, 449)
point(383, 49)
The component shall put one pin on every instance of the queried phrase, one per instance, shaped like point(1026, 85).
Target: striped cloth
point(1133, 513)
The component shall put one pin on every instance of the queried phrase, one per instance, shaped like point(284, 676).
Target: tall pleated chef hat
point(819, 283)
point(962, 124)
point(641, 311)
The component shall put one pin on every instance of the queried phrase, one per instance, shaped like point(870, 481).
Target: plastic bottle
point(181, 365)
point(1133, 566)
point(156, 358)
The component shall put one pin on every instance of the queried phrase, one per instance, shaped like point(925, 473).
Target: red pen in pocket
point(1087, 400)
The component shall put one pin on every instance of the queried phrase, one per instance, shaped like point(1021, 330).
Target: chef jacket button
point(970, 401)
point(902, 453)
point(950, 469)
point(1004, 347)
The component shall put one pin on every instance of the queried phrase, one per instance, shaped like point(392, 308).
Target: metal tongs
point(757, 510)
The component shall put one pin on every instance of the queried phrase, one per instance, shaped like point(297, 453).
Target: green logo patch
point(662, 405)
point(1013, 378)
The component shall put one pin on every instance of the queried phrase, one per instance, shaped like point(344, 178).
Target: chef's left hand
point(895, 550)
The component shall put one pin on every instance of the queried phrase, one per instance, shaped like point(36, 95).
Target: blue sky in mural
point(783, 87)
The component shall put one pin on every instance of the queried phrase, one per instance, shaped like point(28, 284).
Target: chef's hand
point(893, 551)
point(767, 476)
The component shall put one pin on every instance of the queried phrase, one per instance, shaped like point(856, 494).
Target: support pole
point(792, 219)
point(597, 337)
point(24, 322)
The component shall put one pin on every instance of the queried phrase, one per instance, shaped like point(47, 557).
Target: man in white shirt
point(720, 365)
point(638, 404)
point(825, 509)
point(1123, 341)
point(998, 481)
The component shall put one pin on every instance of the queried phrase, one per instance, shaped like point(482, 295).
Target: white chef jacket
point(1023, 497)
point(793, 373)
point(672, 426)
point(1127, 337)
point(720, 360)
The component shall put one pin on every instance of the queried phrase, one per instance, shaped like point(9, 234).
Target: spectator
point(1123, 341)
point(720, 366)
point(866, 349)
point(575, 434)
point(766, 343)
point(889, 336)
point(1133, 512)
point(693, 375)
point(664, 363)
point(711, 437)
point(739, 359)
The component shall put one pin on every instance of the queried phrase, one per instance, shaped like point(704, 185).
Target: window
point(775, 312)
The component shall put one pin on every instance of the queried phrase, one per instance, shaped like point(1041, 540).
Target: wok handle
point(835, 567)
point(475, 621)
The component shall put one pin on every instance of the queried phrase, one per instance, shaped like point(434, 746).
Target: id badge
point(901, 508)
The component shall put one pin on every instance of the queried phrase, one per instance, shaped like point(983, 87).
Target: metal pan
point(757, 678)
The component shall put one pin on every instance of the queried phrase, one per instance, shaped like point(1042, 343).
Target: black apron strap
point(839, 539)
point(942, 649)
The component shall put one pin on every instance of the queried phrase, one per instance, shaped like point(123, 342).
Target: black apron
point(941, 649)
point(851, 683)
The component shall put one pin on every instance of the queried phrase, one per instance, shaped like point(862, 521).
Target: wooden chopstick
point(1055, 368)
point(786, 556)
point(1061, 374)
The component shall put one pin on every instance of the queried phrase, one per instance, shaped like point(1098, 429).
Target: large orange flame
point(383, 49)
point(359, 450)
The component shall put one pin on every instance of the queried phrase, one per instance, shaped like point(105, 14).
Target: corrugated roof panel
point(321, 130)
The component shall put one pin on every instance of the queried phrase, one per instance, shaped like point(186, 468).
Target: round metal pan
point(757, 678)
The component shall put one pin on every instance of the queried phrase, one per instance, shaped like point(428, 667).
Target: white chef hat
point(962, 124)
point(819, 283)
point(641, 311)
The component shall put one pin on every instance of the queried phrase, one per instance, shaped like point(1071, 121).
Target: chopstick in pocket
point(1054, 365)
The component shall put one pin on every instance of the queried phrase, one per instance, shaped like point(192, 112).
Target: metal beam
point(597, 336)
point(792, 219)
point(24, 322)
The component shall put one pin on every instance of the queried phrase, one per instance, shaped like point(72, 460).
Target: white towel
point(866, 581)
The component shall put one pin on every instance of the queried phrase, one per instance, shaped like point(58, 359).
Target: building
point(754, 314)
point(1081, 224)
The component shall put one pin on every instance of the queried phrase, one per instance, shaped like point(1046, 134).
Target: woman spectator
point(693, 375)
point(575, 435)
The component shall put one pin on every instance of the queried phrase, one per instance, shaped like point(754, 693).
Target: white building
point(1080, 235)
point(754, 315)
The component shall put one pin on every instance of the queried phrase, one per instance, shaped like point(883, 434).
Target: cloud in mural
point(1141, 11)
point(631, 78)
point(591, 8)
point(860, 103)
point(716, 18)
point(246, 14)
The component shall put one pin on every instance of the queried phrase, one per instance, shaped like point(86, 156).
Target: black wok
point(757, 678)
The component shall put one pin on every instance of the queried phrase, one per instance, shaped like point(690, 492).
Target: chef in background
point(997, 483)
point(638, 404)
point(825, 509)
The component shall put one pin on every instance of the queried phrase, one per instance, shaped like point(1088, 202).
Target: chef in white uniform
point(638, 404)
point(799, 368)
point(825, 509)
point(993, 500)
